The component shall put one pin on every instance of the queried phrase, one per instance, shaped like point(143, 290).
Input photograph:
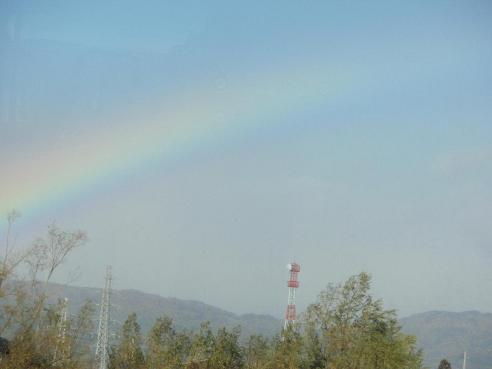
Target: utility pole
point(102, 345)
point(464, 360)
point(293, 284)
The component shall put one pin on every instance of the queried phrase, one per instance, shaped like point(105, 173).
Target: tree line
point(345, 328)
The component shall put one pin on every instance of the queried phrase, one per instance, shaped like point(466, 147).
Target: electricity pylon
point(102, 346)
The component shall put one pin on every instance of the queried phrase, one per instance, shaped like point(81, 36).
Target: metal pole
point(102, 344)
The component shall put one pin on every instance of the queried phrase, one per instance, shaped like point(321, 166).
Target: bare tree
point(51, 251)
point(33, 325)
point(9, 262)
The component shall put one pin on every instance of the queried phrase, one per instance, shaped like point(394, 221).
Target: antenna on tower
point(293, 284)
point(102, 346)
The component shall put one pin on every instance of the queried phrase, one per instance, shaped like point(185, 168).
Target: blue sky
point(389, 173)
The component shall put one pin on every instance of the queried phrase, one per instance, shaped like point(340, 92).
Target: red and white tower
point(293, 284)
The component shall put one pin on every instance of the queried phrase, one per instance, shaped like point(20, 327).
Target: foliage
point(129, 354)
point(40, 334)
point(444, 364)
point(226, 353)
point(355, 332)
point(286, 350)
point(346, 328)
point(256, 352)
point(161, 350)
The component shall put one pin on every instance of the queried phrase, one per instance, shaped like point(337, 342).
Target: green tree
point(313, 353)
point(163, 350)
point(128, 354)
point(256, 352)
point(287, 352)
point(227, 353)
point(355, 332)
point(39, 336)
point(444, 364)
point(202, 346)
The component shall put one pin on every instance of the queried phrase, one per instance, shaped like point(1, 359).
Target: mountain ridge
point(447, 335)
point(186, 314)
point(441, 334)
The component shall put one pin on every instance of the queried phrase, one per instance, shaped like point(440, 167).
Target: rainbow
point(204, 115)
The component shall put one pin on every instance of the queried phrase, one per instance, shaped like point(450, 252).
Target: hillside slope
point(440, 334)
point(447, 335)
point(186, 314)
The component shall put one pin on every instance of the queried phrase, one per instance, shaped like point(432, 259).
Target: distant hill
point(440, 334)
point(186, 314)
point(447, 335)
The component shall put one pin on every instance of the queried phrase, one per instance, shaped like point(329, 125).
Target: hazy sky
point(204, 145)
